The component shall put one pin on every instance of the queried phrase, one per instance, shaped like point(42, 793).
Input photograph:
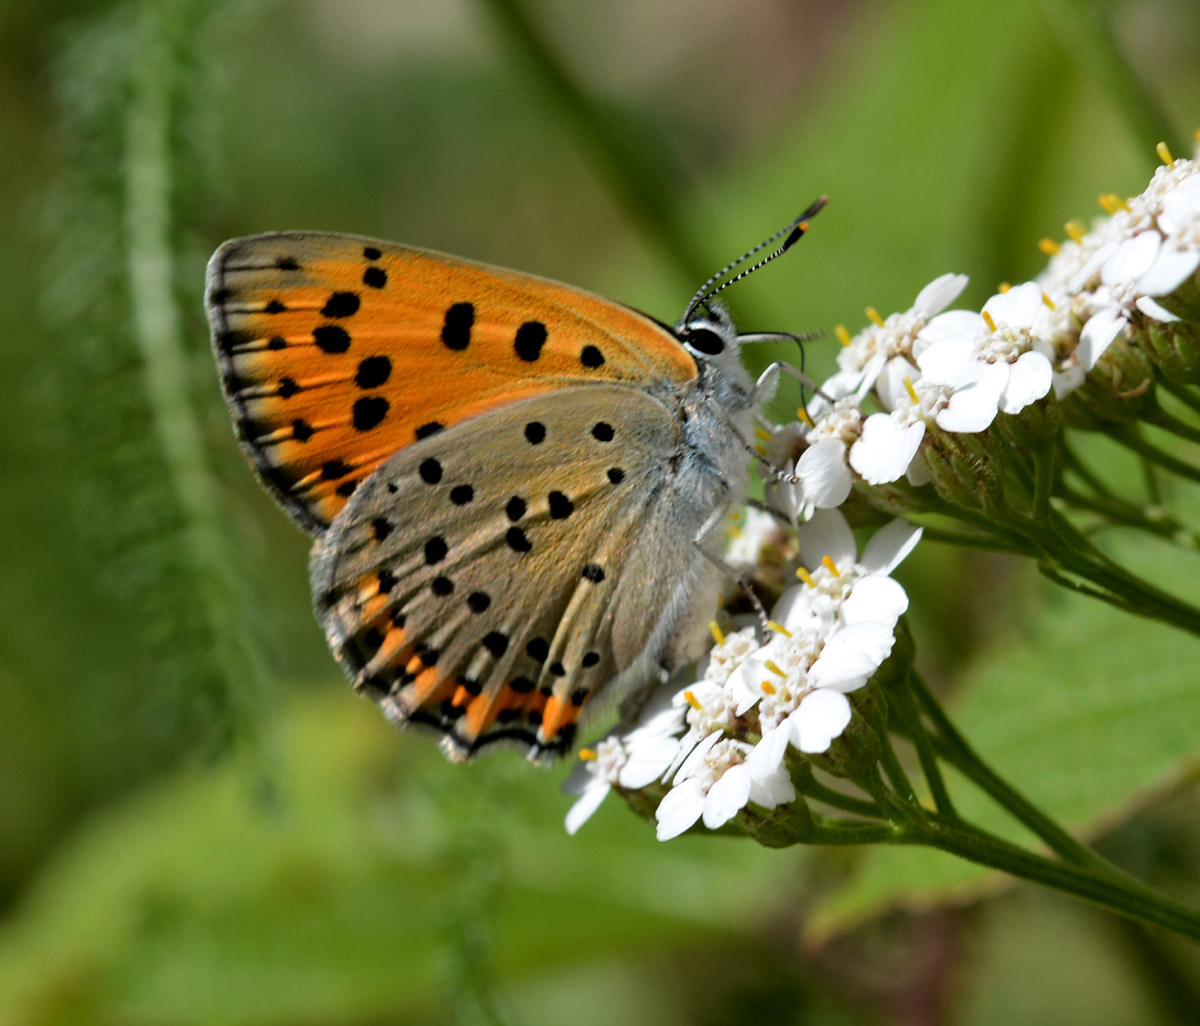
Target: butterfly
point(509, 481)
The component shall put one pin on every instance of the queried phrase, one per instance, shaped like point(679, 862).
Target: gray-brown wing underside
point(489, 580)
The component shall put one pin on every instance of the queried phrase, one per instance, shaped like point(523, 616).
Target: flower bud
point(962, 468)
point(1174, 347)
point(1120, 388)
point(855, 754)
point(1037, 426)
point(779, 827)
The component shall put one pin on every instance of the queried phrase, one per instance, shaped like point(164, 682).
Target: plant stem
point(1114, 893)
point(837, 800)
point(1162, 419)
point(1131, 440)
point(911, 715)
point(1181, 392)
point(1066, 549)
point(1127, 514)
point(959, 753)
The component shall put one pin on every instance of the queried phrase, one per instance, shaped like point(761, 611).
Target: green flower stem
point(1162, 419)
point(1127, 514)
point(1133, 441)
point(967, 541)
point(843, 832)
point(845, 802)
point(1002, 537)
point(1066, 549)
point(1186, 395)
point(902, 699)
point(958, 752)
point(1112, 892)
point(1073, 462)
point(895, 773)
point(1043, 480)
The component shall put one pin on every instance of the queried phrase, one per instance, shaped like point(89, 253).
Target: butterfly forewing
point(469, 584)
point(337, 351)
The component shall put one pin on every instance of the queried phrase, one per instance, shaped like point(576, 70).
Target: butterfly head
point(708, 333)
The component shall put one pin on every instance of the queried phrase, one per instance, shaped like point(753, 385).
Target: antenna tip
point(794, 236)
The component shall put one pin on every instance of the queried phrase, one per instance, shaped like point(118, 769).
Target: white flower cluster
point(828, 635)
point(927, 371)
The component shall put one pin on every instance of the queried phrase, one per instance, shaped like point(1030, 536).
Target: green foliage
point(143, 569)
point(134, 99)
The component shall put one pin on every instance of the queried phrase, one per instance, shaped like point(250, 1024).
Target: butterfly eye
point(703, 342)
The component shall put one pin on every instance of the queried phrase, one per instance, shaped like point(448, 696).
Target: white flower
point(863, 357)
point(823, 469)
point(853, 590)
point(757, 530)
point(1178, 256)
point(713, 784)
point(840, 627)
point(632, 760)
point(995, 361)
point(729, 652)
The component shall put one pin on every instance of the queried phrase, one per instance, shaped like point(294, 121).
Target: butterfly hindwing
point(336, 351)
point(475, 583)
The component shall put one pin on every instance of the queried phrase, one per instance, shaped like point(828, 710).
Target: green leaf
point(357, 889)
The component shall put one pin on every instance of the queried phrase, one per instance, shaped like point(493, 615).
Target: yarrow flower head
point(864, 355)
point(714, 784)
point(996, 361)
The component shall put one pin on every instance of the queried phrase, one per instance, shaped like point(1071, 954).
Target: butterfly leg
point(719, 513)
point(775, 473)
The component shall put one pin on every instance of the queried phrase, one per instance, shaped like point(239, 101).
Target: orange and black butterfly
point(508, 480)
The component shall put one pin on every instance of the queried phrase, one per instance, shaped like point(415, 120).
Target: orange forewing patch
point(336, 351)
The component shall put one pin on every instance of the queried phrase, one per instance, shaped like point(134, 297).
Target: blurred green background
point(200, 824)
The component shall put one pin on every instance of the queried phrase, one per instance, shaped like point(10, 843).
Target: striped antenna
point(794, 230)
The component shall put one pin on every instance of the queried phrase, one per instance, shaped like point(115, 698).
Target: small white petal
point(890, 386)
point(1181, 206)
point(851, 656)
point(1088, 270)
point(939, 294)
point(918, 474)
point(825, 474)
point(889, 545)
point(1131, 259)
point(974, 403)
point(1097, 335)
point(774, 789)
point(589, 801)
point(1029, 380)
point(695, 760)
point(944, 361)
point(826, 534)
point(874, 599)
point(727, 796)
point(1172, 268)
point(1067, 380)
point(680, 808)
point(822, 716)
point(1018, 307)
point(647, 761)
point(886, 448)
point(954, 324)
point(1152, 309)
point(768, 754)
